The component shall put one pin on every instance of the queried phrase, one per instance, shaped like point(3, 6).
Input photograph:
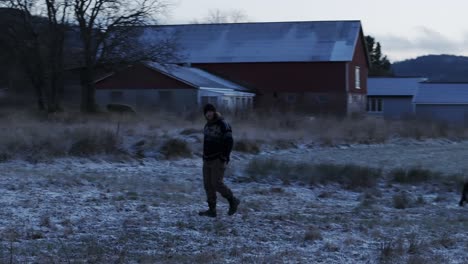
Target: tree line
point(380, 65)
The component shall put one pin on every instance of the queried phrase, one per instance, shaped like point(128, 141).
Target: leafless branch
point(216, 16)
point(109, 32)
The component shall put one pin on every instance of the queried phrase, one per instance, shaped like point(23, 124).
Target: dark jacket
point(218, 141)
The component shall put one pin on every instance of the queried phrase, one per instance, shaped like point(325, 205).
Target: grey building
point(392, 98)
point(446, 102)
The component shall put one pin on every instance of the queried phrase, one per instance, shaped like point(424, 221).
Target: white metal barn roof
point(228, 92)
point(195, 77)
point(316, 41)
point(395, 86)
point(441, 93)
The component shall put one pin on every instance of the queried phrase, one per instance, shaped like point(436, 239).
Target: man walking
point(217, 146)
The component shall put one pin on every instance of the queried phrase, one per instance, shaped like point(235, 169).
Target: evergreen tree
point(380, 65)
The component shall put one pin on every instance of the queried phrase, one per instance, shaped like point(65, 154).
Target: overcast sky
point(405, 28)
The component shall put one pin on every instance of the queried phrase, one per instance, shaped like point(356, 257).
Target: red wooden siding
point(140, 77)
point(307, 102)
point(315, 87)
point(283, 77)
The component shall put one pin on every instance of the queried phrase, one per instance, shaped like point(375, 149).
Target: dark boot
point(211, 212)
point(233, 204)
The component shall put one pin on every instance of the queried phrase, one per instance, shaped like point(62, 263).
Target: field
point(379, 193)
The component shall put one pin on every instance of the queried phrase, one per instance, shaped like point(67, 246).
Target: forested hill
point(435, 67)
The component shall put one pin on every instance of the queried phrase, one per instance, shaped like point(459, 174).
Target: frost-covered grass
point(310, 194)
point(81, 210)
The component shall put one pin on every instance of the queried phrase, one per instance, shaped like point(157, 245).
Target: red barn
point(315, 67)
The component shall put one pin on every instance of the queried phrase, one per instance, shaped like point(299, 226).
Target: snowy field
point(99, 210)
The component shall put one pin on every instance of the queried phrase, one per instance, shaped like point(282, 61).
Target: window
point(357, 76)
point(374, 105)
point(250, 103)
point(116, 96)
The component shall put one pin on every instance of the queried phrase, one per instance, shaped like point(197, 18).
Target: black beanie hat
point(209, 107)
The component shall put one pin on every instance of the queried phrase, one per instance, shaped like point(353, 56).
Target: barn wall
point(226, 102)
point(306, 102)
point(142, 88)
point(309, 87)
point(357, 96)
point(359, 60)
point(397, 107)
point(144, 99)
point(283, 77)
point(356, 103)
point(453, 114)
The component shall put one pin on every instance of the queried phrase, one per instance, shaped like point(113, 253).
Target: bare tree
point(218, 16)
point(58, 20)
point(238, 16)
point(38, 44)
point(21, 35)
point(109, 31)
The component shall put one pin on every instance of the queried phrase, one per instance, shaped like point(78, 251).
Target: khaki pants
point(213, 176)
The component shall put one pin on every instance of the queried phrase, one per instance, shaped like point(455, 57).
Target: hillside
point(435, 67)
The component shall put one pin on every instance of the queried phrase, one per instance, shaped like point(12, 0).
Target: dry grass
point(413, 175)
point(191, 131)
point(391, 251)
point(402, 201)
point(42, 142)
point(88, 142)
point(31, 134)
point(349, 176)
point(247, 146)
point(312, 234)
point(331, 131)
point(176, 148)
point(418, 175)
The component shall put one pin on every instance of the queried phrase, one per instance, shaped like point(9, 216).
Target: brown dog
point(464, 196)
